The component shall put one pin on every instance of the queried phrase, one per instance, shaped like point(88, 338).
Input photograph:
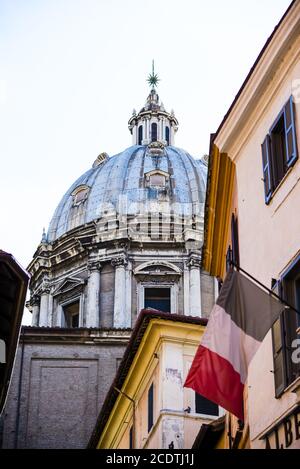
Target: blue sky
point(71, 72)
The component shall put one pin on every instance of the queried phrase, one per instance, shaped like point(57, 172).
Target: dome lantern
point(153, 123)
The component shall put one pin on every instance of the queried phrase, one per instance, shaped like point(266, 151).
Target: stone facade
point(59, 383)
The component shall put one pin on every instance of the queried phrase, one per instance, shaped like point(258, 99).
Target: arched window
point(153, 132)
point(140, 135)
point(167, 135)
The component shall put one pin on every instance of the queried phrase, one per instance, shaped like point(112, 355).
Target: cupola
point(153, 123)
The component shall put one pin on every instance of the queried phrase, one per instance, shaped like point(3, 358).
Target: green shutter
point(290, 133)
point(278, 354)
point(278, 336)
point(267, 168)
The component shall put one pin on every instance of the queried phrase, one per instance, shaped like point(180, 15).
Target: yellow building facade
point(147, 406)
point(252, 218)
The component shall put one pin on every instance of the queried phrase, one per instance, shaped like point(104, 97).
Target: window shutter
point(278, 354)
point(267, 169)
point(290, 327)
point(290, 133)
point(278, 337)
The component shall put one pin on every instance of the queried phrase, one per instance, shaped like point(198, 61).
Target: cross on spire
point(153, 78)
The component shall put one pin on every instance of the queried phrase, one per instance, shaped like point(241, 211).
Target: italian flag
point(238, 323)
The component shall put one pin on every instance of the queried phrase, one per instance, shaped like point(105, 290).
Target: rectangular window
point(279, 149)
point(158, 298)
point(150, 407)
point(71, 314)
point(204, 406)
point(235, 240)
point(284, 331)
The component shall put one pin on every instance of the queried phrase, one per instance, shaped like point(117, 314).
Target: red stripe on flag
point(213, 377)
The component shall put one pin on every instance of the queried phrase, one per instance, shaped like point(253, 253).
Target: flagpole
point(239, 269)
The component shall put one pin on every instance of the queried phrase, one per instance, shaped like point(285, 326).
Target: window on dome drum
point(284, 331)
point(205, 406)
point(167, 135)
point(71, 314)
point(153, 132)
point(158, 298)
point(140, 135)
point(157, 180)
point(279, 149)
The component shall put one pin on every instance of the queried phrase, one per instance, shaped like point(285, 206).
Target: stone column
point(186, 290)
point(144, 123)
point(159, 134)
point(134, 135)
point(121, 319)
point(93, 296)
point(195, 286)
point(172, 134)
point(35, 301)
point(50, 311)
point(44, 306)
point(128, 292)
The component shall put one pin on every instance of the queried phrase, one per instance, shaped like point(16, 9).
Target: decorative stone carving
point(45, 288)
point(100, 159)
point(119, 261)
point(94, 266)
point(194, 262)
point(35, 300)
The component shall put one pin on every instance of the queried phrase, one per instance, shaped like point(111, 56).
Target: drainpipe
point(133, 414)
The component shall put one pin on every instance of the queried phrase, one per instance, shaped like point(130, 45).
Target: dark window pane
point(235, 240)
point(153, 132)
point(75, 320)
point(278, 148)
point(204, 406)
point(168, 135)
point(150, 408)
point(158, 298)
point(140, 134)
point(71, 314)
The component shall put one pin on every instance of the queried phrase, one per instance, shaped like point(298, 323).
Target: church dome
point(127, 235)
point(150, 177)
point(135, 180)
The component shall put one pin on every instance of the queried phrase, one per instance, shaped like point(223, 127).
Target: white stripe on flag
point(225, 338)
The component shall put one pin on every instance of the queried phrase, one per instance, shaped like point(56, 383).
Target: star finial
point(153, 78)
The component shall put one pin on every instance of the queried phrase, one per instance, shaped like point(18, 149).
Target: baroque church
point(126, 236)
